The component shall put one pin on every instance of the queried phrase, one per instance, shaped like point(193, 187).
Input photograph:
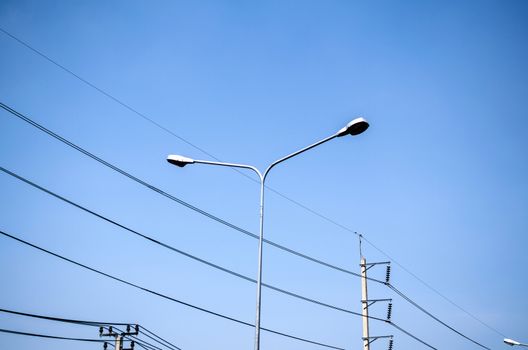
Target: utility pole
point(364, 303)
point(119, 342)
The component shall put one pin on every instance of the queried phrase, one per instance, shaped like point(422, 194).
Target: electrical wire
point(12, 111)
point(51, 336)
point(412, 302)
point(314, 301)
point(176, 250)
point(161, 340)
point(138, 340)
point(238, 274)
point(170, 346)
point(324, 217)
point(411, 335)
point(92, 324)
point(65, 320)
point(164, 296)
point(197, 307)
point(167, 195)
point(233, 226)
point(186, 304)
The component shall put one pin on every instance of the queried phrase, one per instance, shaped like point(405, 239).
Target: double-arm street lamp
point(514, 342)
point(355, 127)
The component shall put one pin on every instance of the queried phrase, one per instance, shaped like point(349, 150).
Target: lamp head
point(180, 161)
point(511, 342)
point(355, 127)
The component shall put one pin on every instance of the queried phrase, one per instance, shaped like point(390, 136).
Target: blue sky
point(438, 182)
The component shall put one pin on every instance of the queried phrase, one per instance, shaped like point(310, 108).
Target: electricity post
point(366, 302)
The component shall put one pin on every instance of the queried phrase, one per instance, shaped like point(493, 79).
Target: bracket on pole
point(369, 265)
point(369, 302)
point(371, 340)
point(110, 333)
point(128, 332)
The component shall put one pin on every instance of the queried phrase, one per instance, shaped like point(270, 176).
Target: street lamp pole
point(355, 127)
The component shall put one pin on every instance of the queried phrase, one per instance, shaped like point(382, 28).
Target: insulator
point(391, 342)
point(389, 311)
point(105, 345)
point(100, 331)
point(137, 328)
point(132, 344)
point(128, 328)
point(387, 274)
point(110, 329)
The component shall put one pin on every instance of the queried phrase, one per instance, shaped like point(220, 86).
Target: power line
point(238, 274)
point(189, 255)
point(138, 340)
point(164, 296)
point(235, 273)
point(324, 217)
point(93, 324)
point(51, 336)
point(107, 325)
point(160, 339)
point(411, 335)
point(224, 222)
point(167, 345)
point(412, 302)
point(167, 195)
point(65, 320)
point(196, 307)
point(176, 250)
point(113, 98)
point(314, 301)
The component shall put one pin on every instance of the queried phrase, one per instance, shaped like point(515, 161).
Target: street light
point(513, 342)
point(355, 127)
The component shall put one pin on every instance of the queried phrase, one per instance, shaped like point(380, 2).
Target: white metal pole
point(259, 276)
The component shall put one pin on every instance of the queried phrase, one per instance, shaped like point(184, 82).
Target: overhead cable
point(233, 272)
point(65, 320)
point(138, 340)
point(169, 131)
point(412, 335)
point(164, 296)
point(160, 339)
point(196, 307)
point(176, 250)
point(51, 336)
point(167, 195)
point(93, 324)
point(412, 302)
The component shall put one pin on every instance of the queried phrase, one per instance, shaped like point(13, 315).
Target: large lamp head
point(355, 127)
point(180, 161)
point(511, 342)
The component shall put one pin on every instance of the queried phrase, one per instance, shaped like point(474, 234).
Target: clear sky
point(439, 182)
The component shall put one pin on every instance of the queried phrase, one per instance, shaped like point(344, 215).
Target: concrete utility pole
point(119, 342)
point(364, 304)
